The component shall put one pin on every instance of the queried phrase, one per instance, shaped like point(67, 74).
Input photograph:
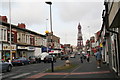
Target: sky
point(66, 15)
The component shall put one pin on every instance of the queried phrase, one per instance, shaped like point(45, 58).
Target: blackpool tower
point(79, 39)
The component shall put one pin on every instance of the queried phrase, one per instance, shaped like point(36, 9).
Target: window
point(5, 31)
point(8, 36)
point(32, 40)
point(12, 36)
point(3, 34)
point(26, 38)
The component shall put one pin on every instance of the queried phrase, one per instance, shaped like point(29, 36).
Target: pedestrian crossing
point(21, 75)
point(14, 75)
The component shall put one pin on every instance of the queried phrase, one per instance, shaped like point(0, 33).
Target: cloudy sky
point(66, 15)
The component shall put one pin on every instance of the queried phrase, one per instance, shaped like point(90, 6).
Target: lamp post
point(10, 29)
point(50, 3)
point(90, 40)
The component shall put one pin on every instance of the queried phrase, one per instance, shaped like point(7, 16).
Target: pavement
point(83, 71)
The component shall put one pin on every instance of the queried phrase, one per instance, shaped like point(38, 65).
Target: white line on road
point(35, 71)
point(7, 75)
point(18, 76)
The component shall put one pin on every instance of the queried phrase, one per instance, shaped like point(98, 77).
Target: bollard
point(67, 63)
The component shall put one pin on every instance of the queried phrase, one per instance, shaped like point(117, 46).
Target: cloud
point(30, 13)
point(76, 11)
point(65, 14)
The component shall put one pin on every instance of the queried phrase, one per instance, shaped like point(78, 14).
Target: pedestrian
point(81, 57)
point(98, 58)
point(88, 57)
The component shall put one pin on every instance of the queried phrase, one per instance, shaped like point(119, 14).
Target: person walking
point(88, 57)
point(98, 58)
point(81, 57)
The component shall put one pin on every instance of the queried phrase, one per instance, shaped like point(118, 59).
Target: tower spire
point(79, 39)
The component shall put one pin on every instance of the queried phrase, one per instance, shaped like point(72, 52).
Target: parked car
point(43, 55)
point(38, 59)
point(72, 56)
point(64, 57)
point(33, 59)
point(78, 53)
point(48, 59)
point(5, 66)
point(20, 61)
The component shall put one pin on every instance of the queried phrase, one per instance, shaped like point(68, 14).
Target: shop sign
point(31, 48)
point(22, 47)
point(13, 51)
point(7, 47)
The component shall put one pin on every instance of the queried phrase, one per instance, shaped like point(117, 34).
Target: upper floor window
point(32, 40)
point(12, 36)
point(3, 34)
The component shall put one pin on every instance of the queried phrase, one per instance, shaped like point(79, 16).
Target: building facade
point(25, 42)
point(110, 35)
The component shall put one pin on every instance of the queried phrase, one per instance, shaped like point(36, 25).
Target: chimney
point(22, 25)
point(3, 18)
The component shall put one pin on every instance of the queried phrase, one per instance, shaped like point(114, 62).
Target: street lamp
point(90, 40)
point(50, 3)
point(10, 29)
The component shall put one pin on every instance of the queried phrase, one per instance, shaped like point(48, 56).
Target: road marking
point(18, 76)
point(35, 76)
point(100, 72)
point(35, 71)
point(7, 75)
point(39, 75)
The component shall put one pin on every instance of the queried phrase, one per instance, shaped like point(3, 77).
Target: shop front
point(5, 52)
point(114, 53)
point(0, 50)
point(21, 51)
point(30, 51)
point(25, 51)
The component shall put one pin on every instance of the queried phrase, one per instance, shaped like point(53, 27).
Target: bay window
point(3, 34)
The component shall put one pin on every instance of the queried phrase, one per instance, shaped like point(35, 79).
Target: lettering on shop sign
point(8, 47)
point(22, 47)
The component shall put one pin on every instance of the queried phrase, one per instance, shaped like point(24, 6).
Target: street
point(60, 39)
point(31, 69)
point(84, 70)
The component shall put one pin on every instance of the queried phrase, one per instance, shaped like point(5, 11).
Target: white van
point(43, 55)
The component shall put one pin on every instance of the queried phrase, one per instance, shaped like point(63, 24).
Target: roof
point(23, 29)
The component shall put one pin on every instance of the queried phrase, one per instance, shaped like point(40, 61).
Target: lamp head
point(50, 3)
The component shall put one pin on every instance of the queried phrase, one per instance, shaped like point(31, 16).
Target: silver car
point(5, 66)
